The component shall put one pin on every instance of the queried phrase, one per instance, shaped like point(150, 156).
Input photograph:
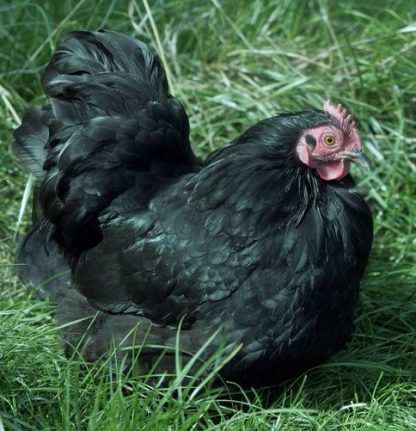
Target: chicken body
point(251, 243)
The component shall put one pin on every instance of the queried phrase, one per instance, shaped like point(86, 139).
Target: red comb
point(341, 114)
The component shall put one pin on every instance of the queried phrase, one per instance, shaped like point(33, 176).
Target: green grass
point(232, 63)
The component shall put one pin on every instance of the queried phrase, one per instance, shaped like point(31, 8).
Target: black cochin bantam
point(264, 242)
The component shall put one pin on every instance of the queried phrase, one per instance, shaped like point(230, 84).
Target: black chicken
point(266, 240)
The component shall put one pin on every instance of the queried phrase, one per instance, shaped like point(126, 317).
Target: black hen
point(267, 239)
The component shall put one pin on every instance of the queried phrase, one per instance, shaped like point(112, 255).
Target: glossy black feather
point(250, 241)
point(31, 138)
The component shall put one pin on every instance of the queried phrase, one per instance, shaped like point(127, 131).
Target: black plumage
point(251, 241)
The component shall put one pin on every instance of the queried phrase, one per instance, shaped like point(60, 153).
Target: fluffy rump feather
point(111, 137)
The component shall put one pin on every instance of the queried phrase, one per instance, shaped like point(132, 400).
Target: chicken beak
point(357, 157)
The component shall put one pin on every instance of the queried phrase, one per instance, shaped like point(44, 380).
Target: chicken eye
point(329, 140)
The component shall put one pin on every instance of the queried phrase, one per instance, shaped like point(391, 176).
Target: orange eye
point(329, 140)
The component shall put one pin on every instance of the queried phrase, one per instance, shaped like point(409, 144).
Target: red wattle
point(330, 171)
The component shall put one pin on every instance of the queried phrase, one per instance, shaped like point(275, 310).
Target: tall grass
point(232, 63)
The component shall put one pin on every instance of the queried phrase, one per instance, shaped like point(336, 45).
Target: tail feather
point(102, 73)
point(83, 52)
point(40, 266)
point(111, 137)
point(30, 140)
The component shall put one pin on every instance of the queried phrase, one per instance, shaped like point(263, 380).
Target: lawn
point(232, 63)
